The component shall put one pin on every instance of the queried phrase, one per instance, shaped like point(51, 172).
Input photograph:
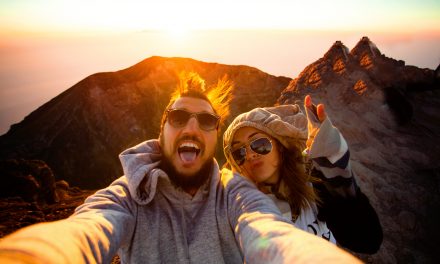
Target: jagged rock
point(32, 180)
point(407, 221)
point(62, 185)
point(338, 51)
point(388, 112)
point(62, 189)
point(365, 48)
point(360, 87)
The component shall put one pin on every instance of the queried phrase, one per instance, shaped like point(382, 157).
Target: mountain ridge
point(111, 111)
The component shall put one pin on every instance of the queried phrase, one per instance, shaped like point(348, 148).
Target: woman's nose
point(250, 154)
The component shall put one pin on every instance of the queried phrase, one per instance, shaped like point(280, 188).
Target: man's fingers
point(321, 112)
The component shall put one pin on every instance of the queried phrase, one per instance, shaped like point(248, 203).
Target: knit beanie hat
point(285, 123)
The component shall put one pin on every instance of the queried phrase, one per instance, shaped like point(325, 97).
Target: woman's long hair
point(294, 183)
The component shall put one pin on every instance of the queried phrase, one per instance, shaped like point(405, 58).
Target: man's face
point(188, 148)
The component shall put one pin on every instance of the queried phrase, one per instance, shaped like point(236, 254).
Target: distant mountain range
point(387, 111)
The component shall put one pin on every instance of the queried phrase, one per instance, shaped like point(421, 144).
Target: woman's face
point(258, 167)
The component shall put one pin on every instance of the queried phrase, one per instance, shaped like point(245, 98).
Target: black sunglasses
point(179, 118)
point(260, 146)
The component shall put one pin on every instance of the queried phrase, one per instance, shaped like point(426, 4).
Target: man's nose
point(192, 125)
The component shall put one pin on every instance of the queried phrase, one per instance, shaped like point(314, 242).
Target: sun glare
point(136, 15)
point(177, 32)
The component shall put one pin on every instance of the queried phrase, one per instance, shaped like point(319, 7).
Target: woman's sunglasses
point(260, 146)
point(179, 118)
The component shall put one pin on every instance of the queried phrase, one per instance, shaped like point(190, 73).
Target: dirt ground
point(15, 213)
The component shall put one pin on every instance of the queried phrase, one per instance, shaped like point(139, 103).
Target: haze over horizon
point(60, 43)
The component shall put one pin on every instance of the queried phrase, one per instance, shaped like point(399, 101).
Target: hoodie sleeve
point(351, 218)
point(353, 221)
point(330, 155)
point(266, 237)
point(93, 234)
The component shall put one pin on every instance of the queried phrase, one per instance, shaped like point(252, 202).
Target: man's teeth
point(189, 145)
point(188, 151)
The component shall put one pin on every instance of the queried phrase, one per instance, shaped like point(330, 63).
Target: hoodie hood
point(141, 168)
point(138, 162)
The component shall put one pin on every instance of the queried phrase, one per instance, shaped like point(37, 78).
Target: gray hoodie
point(171, 226)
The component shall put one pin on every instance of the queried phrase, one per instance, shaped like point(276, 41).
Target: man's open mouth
point(188, 151)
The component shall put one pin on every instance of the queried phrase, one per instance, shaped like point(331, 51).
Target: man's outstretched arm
point(92, 234)
point(266, 237)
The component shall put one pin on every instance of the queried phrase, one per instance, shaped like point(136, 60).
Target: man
point(173, 205)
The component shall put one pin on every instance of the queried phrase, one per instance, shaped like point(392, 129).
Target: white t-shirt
point(307, 219)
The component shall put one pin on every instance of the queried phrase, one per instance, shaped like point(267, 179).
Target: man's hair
point(192, 85)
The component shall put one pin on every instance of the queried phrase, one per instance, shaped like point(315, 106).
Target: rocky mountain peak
point(388, 113)
point(337, 51)
point(366, 53)
point(365, 46)
point(363, 68)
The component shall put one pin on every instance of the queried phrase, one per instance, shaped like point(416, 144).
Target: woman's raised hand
point(319, 110)
point(315, 116)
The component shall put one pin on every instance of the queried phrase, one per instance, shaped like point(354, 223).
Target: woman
point(270, 146)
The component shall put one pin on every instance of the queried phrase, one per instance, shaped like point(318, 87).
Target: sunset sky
point(48, 46)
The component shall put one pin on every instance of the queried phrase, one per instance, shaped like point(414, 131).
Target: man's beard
point(186, 181)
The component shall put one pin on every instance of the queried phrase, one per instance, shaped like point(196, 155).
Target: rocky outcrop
point(16, 213)
point(81, 132)
point(31, 180)
point(29, 194)
point(388, 112)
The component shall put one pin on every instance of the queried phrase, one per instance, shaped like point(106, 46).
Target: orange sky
point(48, 46)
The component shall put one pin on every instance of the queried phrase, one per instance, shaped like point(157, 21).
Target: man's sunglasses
point(260, 146)
point(179, 118)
